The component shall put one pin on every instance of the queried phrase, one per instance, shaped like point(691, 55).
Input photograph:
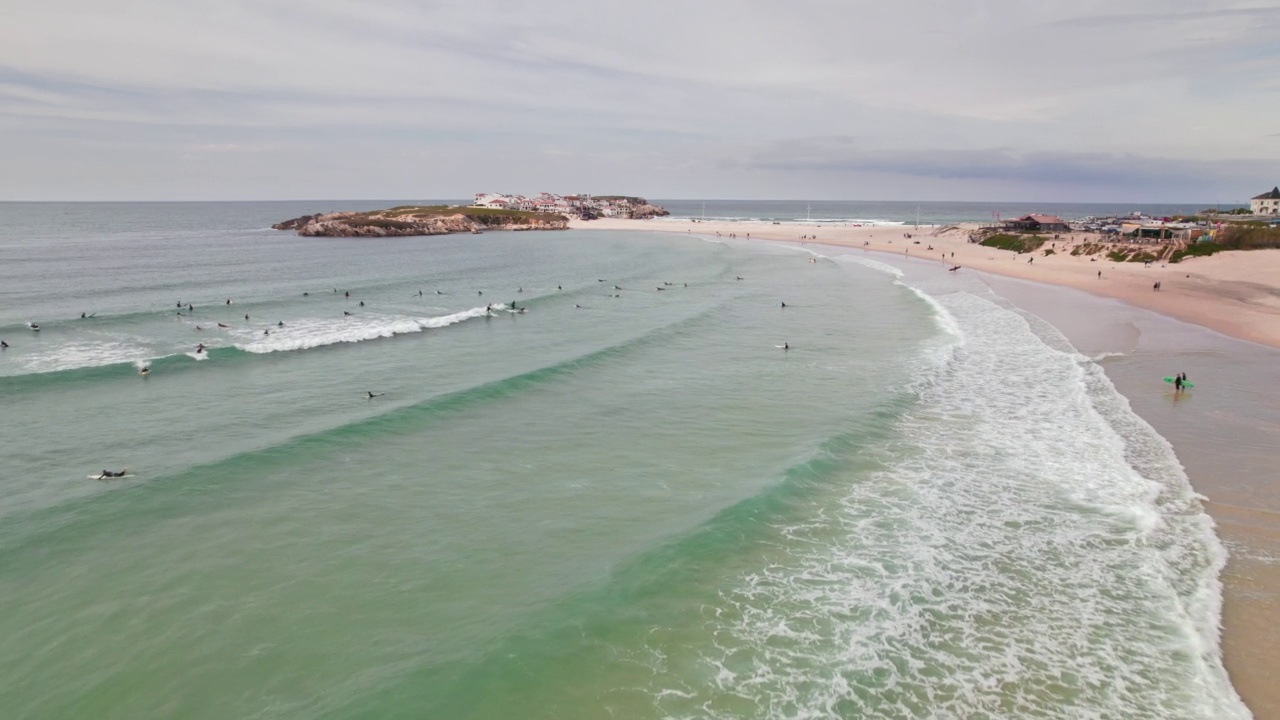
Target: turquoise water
point(620, 503)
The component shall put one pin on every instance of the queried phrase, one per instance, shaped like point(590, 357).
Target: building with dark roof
point(1038, 223)
point(1268, 203)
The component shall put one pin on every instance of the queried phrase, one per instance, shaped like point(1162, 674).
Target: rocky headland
point(421, 220)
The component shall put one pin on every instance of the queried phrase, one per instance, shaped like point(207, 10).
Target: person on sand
point(109, 474)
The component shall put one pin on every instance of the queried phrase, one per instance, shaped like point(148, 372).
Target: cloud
point(678, 85)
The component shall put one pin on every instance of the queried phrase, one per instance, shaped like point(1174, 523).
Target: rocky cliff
point(424, 220)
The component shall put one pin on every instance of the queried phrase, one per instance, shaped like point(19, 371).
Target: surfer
point(266, 332)
point(346, 312)
point(4, 345)
point(347, 293)
point(199, 328)
point(228, 301)
point(419, 293)
point(223, 325)
point(361, 303)
point(306, 294)
point(110, 474)
point(373, 394)
point(83, 316)
point(35, 327)
point(786, 346)
point(246, 316)
point(200, 348)
point(784, 304)
point(280, 324)
point(145, 371)
point(1177, 383)
point(439, 293)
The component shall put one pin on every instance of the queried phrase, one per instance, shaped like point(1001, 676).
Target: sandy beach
point(1225, 439)
point(1234, 293)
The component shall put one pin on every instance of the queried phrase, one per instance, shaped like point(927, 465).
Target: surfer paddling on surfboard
point(373, 394)
point(109, 474)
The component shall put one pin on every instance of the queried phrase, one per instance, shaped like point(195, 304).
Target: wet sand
point(1221, 326)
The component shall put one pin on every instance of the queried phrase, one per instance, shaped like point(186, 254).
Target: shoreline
point(1236, 293)
point(1223, 323)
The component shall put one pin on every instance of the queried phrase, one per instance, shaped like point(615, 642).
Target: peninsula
point(421, 220)
point(490, 211)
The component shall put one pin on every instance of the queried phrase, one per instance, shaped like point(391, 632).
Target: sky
point(1080, 101)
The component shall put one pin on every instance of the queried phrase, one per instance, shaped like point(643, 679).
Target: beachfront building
point(1268, 203)
point(1038, 223)
point(583, 205)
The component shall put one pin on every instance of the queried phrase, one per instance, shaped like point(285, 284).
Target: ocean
point(603, 474)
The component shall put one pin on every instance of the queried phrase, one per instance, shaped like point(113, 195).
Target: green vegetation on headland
point(421, 220)
point(1016, 243)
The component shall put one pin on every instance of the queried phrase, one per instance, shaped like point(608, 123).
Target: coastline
point(1221, 323)
point(1235, 293)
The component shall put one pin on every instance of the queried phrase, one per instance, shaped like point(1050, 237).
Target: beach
point(1235, 293)
point(587, 473)
point(1217, 317)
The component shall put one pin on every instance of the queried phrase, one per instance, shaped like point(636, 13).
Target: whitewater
point(621, 502)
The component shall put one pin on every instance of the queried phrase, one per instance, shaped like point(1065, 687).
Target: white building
point(1267, 203)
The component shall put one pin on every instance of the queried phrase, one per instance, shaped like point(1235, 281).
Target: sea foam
point(312, 333)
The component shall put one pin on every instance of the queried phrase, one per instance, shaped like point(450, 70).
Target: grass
point(1017, 243)
point(1202, 249)
point(1251, 236)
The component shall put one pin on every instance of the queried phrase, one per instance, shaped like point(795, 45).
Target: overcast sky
point(1086, 100)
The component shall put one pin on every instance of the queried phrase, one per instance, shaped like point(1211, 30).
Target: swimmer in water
point(109, 474)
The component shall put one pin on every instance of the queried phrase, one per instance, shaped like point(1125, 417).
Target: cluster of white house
point(563, 204)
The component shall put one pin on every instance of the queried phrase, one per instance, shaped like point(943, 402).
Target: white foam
point(873, 264)
point(315, 332)
point(1031, 548)
point(82, 354)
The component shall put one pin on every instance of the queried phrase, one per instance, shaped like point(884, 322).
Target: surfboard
point(99, 477)
point(1185, 383)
